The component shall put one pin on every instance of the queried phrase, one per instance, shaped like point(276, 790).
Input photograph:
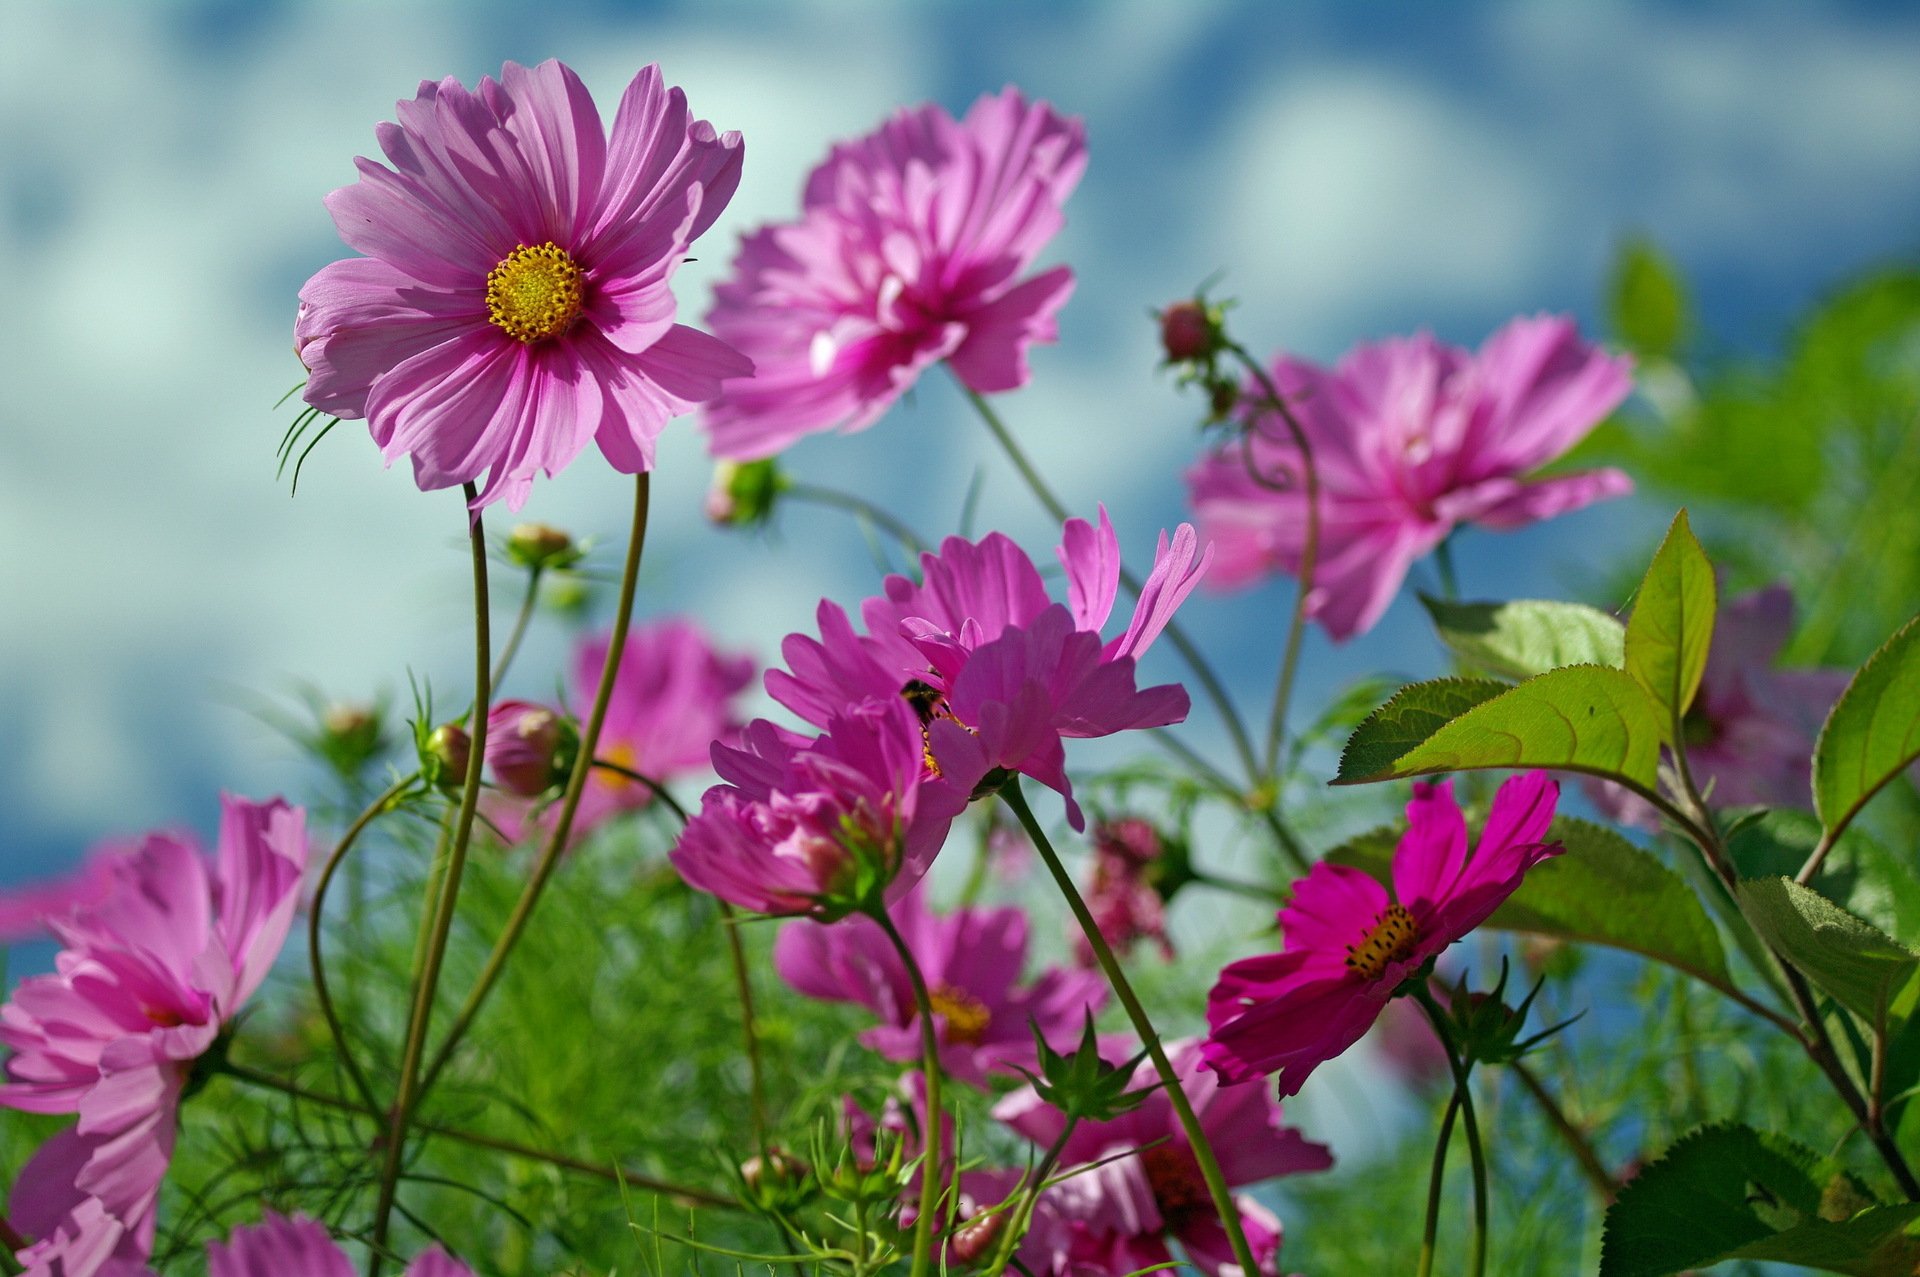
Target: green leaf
point(1858, 964)
point(1527, 636)
point(1412, 715)
point(1582, 718)
point(1873, 732)
point(1648, 302)
point(1672, 622)
point(1602, 890)
point(1730, 1192)
point(1862, 875)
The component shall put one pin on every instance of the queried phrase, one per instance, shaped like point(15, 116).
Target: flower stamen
point(1390, 940)
point(967, 1017)
point(535, 292)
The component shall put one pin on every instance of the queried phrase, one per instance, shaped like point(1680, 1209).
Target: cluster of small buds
point(1193, 336)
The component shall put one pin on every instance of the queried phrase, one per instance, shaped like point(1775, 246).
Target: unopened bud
point(529, 747)
point(743, 492)
point(1222, 399)
point(445, 756)
point(537, 545)
point(1188, 332)
point(350, 736)
point(972, 1241)
point(775, 1172)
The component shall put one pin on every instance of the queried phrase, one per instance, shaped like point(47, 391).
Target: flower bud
point(539, 546)
point(1189, 332)
point(444, 756)
point(530, 748)
point(974, 1240)
point(350, 737)
point(777, 1179)
point(743, 493)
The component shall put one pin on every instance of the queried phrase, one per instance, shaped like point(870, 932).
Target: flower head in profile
point(1751, 730)
point(972, 960)
point(1349, 945)
point(1142, 1184)
point(146, 982)
point(910, 248)
point(979, 644)
point(826, 825)
point(1411, 439)
point(514, 299)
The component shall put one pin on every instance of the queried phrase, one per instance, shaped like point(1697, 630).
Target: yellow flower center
point(1390, 940)
point(535, 292)
point(967, 1017)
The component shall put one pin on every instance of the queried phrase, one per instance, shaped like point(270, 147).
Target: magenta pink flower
point(1349, 946)
point(514, 299)
point(979, 643)
point(524, 743)
point(1751, 730)
point(972, 961)
point(816, 826)
point(29, 911)
point(1411, 439)
point(908, 250)
point(1117, 1216)
point(147, 981)
point(1123, 897)
point(299, 1247)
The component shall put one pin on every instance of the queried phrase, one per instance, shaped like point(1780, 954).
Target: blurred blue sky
point(1356, 169)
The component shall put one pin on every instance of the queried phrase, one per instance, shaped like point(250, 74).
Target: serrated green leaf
point(1413, 714)
point(1862, 874)
point(1672, 623)
point(1582, 718)
point(1601, 890)
point(1647, 303)
point(1525, 637)
point(1730, 1192)
point(1861, 966)
point(1873, 732)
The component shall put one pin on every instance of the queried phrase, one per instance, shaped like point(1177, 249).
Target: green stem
point(930, 1172)
point(421, 1015)
point(1016, 1228)
point(570, 800)
point(1239, 887)
point(658, 790)
point(519, 630)
point(743, 985)
point(1436, 1179)
point(1175, 1089)
point(1604, 1185)
point(1463, 1094)
point(861, 508)
point(317, 911)
point(1443, 560)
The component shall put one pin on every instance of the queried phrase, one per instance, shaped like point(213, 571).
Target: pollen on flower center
point(535, 292)
point(1390, 940)
point(1179, 1189)
point(967, 1017)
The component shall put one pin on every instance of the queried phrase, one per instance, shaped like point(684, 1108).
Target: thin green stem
point(859, 507)
point(1239, 887)
point(1463, 1093)
point(316, 912)
point(1605, 1186)
point(436, 879)
point(743, 985)
point(1436, 1180)
point(1016, 1228)
point(930, 1170)
point(1175, 1088)
point(659, 791)
point(570, 800)
point(519, 630)
point(1443, 561)
point(420, 1017)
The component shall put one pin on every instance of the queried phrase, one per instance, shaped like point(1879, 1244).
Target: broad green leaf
point(1873, 732)
point(1582, 718)
point(1413, 714)
point(1648, 303)
point(1730, 1192)
point(1862, 875)
point(1672, 623)
point(1858, 964)
point(1601, 890)
point(1527, 636)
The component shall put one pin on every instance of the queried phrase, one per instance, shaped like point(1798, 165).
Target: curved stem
point(1463, 1096)
point(930, 1172)
point(421, 1015)
point(317, 910)
point(570, 800)
point(859, 507)
point(1605, 1186)
point(743, 985)
point(519, 630)
point(1016, 1227)
point(1202, 672)
point(1309, 558)
point(1175, 1089)
point(1239, 887)
point(1436, 1179)
point(659, 790)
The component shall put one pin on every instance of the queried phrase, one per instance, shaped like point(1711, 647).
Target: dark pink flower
point(524, 743)
point(978, 643)
point(1123, 896)
point(1349, 945)
point(299, 1247)
point(514, 300)
point(1117, 1216)
point(908, 250)
point(971, 959)
point(815, 826)
point(28, 912)
point(1751, 730)
point(145, 984)
point(1411, 438)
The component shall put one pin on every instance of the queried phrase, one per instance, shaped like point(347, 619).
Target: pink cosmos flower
point(523, 746)
point(1751, 730)
point(811, 826)
point(1123, 898)
point(1411, 438)
point(908, 250)
point(146, 983)
point(514, 299)
point(27, 912)
point(1349, 945)
point(971, 959)
point(1118, 1215)
point(978, 643)
point(299, 1247)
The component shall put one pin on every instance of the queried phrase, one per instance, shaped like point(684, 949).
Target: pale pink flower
point(909, 249)
point(28, 911)
point(147, 981)
point(1349, 945)
point(514, 299)
point(1411, 439)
